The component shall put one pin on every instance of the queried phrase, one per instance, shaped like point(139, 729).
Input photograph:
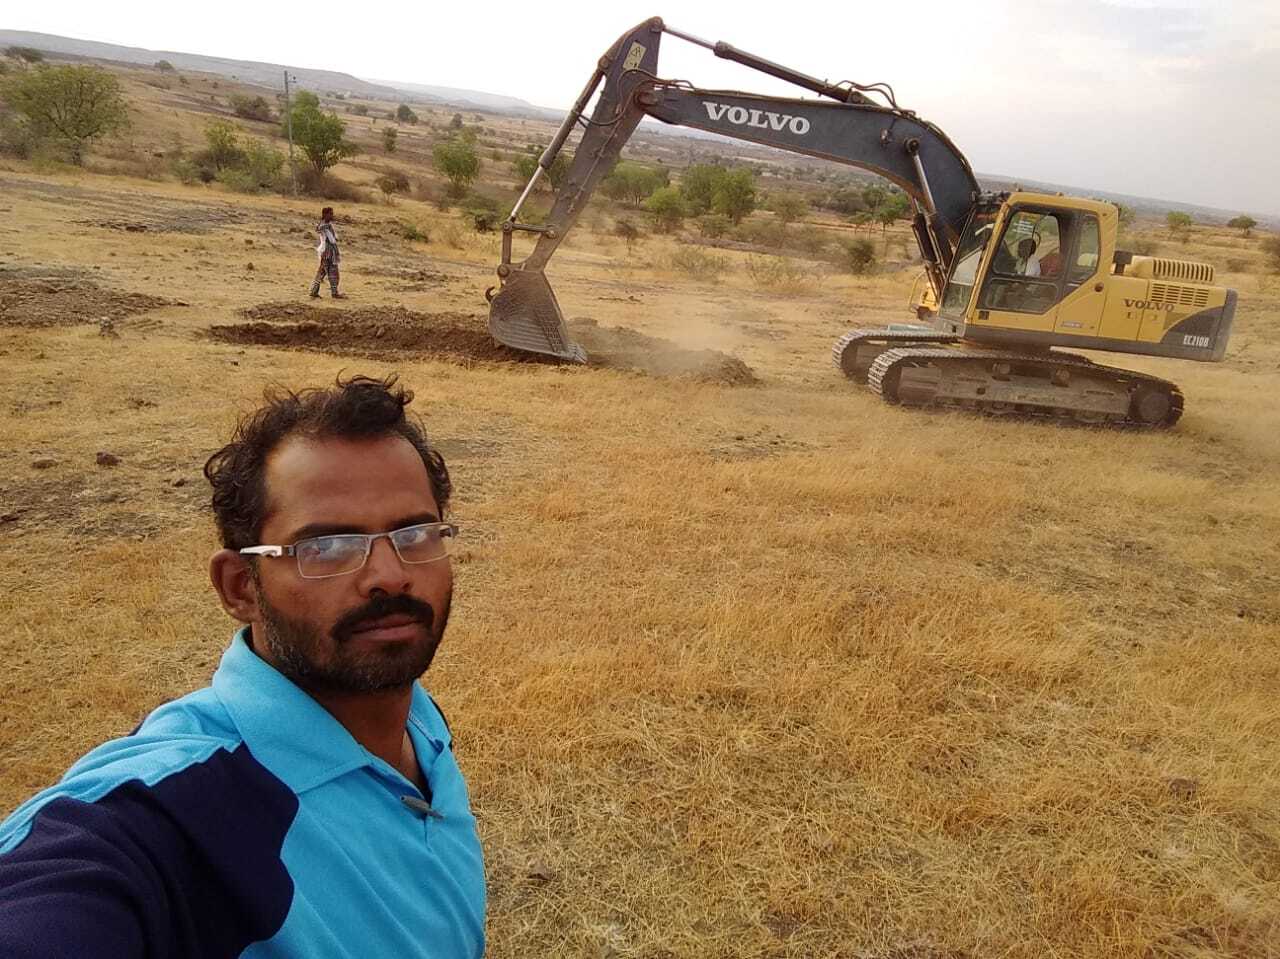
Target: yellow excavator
point(1012, 277)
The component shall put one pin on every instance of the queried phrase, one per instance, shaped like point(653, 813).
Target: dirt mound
point(621, 347)
point(381, 332)
point(57, 298)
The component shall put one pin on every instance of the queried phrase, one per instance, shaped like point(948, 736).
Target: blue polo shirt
point(244, 820)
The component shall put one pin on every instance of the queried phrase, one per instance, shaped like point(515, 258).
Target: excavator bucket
point(524, 315)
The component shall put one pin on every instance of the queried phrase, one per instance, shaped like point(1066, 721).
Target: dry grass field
point(743, 662)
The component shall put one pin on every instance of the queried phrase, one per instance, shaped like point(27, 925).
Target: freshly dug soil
point(382, 332)
point(58, 298)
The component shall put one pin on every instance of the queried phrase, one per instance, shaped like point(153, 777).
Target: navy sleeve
point(189, 867)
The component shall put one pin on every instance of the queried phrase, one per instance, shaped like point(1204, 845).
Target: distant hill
point(476, 99)
point(269, 74)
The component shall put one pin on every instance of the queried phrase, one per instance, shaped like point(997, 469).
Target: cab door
point(1084, 288)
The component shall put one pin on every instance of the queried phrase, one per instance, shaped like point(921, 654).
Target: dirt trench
point(382, 332)
point(43, 298)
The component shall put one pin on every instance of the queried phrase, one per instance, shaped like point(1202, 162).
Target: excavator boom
point(853, 129)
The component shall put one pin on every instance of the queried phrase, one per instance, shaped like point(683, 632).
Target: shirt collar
point(286, 730)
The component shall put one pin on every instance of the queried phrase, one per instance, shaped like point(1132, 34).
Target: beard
point(327, 662)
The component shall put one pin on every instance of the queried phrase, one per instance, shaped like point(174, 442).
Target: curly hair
point(355, 408)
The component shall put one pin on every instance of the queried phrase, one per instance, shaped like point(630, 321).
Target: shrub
point(859, 256)
point(329, 187)
point(359, 109)
point(238, 180)
point(628, 232)
point(25, 54)
point(776, 271)
point(411, 231)
point(1271, 247)
point(263, 164)
point(769, 233)
point(16, 138)
point(713, 225)
point(250, 108)
point(389, 136)
point(189, 172)
point(699, 264)
point(404, 114)
point(164, 66)
point(391, 182)
point(526, 164)
point(789, 207)
point(1144, 246)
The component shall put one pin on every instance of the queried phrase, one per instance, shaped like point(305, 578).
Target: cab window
point(1028, 267)
point(1088, 246)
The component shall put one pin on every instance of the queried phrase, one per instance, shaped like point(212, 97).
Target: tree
point(25, 54)
point(1125, 214)
point(1179, 223)
point(698, 184)
point(319, 134)
point(73, 105)
point(873, 194)
point(1244, 223)
point(894, 207)
point(525, 165)
point(789, 207)
point(164, 66)
point(457, 160)
point(456, 122)
point(405, 115)
point(389, 136)
point(632, 183)
point(668, 208)
point(223, 141)
point(859, 256)
point(736, 195)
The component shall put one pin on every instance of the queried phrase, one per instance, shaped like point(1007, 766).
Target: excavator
point(1013, 277)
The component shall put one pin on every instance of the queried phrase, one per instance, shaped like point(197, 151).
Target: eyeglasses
point(323, 556)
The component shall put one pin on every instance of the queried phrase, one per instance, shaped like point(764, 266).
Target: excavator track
point(854, 352)
point(1057, 386)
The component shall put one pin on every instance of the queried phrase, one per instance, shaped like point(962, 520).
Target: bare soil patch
point(380, 332)
point(59, 297)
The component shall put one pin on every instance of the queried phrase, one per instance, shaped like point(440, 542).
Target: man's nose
point(383, 570)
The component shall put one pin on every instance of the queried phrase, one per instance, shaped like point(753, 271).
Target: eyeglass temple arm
point(267, 551)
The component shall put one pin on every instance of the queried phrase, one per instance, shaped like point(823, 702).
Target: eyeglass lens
point(333, 555)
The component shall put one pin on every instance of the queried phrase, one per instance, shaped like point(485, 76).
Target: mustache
point(379, 607)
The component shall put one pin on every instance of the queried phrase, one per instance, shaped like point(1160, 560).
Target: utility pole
point(288, 122)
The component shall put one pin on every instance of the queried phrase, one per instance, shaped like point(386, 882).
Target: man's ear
point(231, 578)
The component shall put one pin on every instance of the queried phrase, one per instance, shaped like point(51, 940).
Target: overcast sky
point(1174, 99)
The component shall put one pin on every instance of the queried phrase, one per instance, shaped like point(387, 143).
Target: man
point(327, 250)
point(307, 802)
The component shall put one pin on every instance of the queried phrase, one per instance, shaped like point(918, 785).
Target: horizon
point(1207, 71)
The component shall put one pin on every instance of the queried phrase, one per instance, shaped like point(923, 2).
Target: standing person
point(327, 250)
point(307, 802)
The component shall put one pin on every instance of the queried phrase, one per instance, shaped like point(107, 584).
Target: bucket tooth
point(524, 315)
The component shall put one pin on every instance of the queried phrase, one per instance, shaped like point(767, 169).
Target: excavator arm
point(852, 129)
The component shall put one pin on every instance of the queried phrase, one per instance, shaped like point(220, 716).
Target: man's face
point(374, 629)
